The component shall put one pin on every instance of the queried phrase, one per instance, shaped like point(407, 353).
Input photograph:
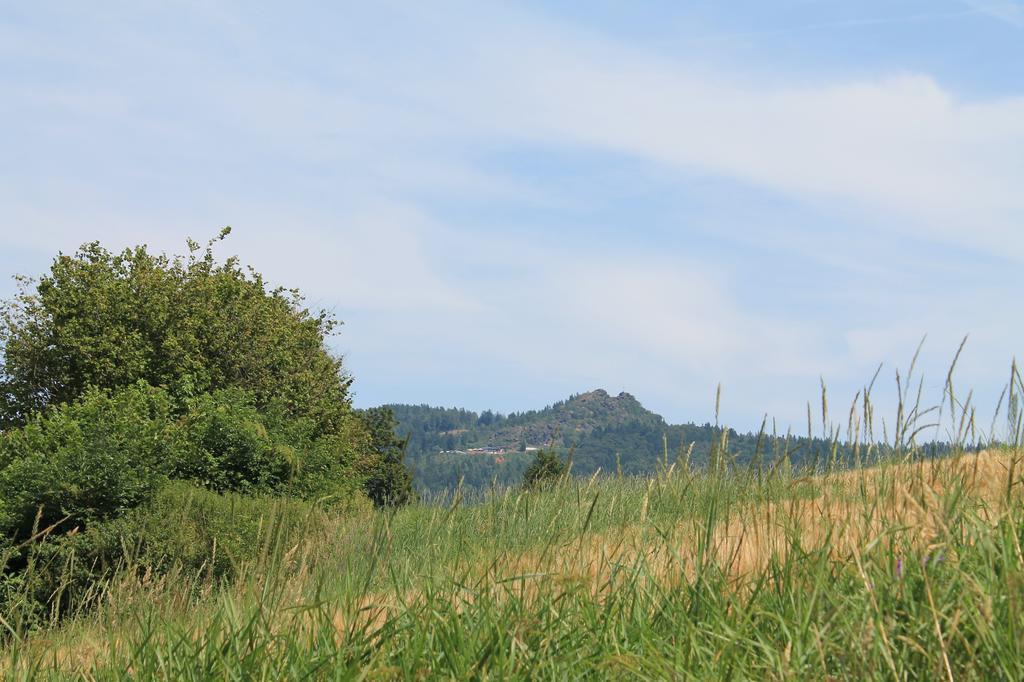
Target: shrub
point(199, 531)
point(227, 446)
point(390, 484)
point(201, 536)
point(545, 469)
point(330, 469)
point(84, 462)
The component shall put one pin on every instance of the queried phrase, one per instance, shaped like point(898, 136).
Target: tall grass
point(909, 568)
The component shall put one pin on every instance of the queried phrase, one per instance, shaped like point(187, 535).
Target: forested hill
point(602, 431)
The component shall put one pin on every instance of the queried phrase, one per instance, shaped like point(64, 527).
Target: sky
point(507, 203)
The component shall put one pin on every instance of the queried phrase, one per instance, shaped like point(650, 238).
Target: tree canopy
point(185, 323)
point(545, 469)
point(256, 402)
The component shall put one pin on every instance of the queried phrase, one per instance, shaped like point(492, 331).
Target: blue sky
point(508, 203)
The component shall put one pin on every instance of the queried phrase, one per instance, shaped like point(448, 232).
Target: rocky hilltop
point(449, 447)
point(573, 418)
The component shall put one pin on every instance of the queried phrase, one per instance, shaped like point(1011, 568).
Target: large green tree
point(185, 323)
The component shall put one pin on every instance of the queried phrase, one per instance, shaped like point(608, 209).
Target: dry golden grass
point(900, 506)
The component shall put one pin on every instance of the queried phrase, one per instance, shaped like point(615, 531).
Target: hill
point(600, 432)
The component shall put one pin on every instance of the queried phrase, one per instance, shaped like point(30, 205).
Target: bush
point(201, 536)
point(85, 462)
point(198, 531)
point(248, 399)
point(331, 469)
point(227, 446)
point(96, 458)
point(98, 472)
point(545, 469)
point(390, 484)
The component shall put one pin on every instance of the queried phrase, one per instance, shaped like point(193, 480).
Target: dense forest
point(598, 431)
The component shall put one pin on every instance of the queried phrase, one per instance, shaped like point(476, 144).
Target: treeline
point(613, 435)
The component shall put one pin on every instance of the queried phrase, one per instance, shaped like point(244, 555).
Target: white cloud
point(895, 145)
point(335, 156)
point(373, 257)
point(678, 314)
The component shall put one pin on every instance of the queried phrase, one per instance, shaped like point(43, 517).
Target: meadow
point(907, 569)
point(175, 504)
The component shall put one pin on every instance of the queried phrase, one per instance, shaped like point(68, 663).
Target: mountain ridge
point(448, 447)
point(579, 414)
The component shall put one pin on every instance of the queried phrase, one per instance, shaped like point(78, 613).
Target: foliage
point(96, 458)
point(606, 433)
point(389, 481)
point(120, 373)
point(227, 446)
point(185, 323)
point(86, 461)
point(545, 469)
point(186, 531)
point(624, 578)
point(264, 404)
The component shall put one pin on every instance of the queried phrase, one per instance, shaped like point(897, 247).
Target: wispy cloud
point(472, 185)
point(1010, 11)
point(898, 145)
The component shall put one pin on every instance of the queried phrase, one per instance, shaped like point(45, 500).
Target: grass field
point(910, 570)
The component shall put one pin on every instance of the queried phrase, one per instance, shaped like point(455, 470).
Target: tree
point(389, 482)
point(185, 323)
point(545, 469)
point(245, 367)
